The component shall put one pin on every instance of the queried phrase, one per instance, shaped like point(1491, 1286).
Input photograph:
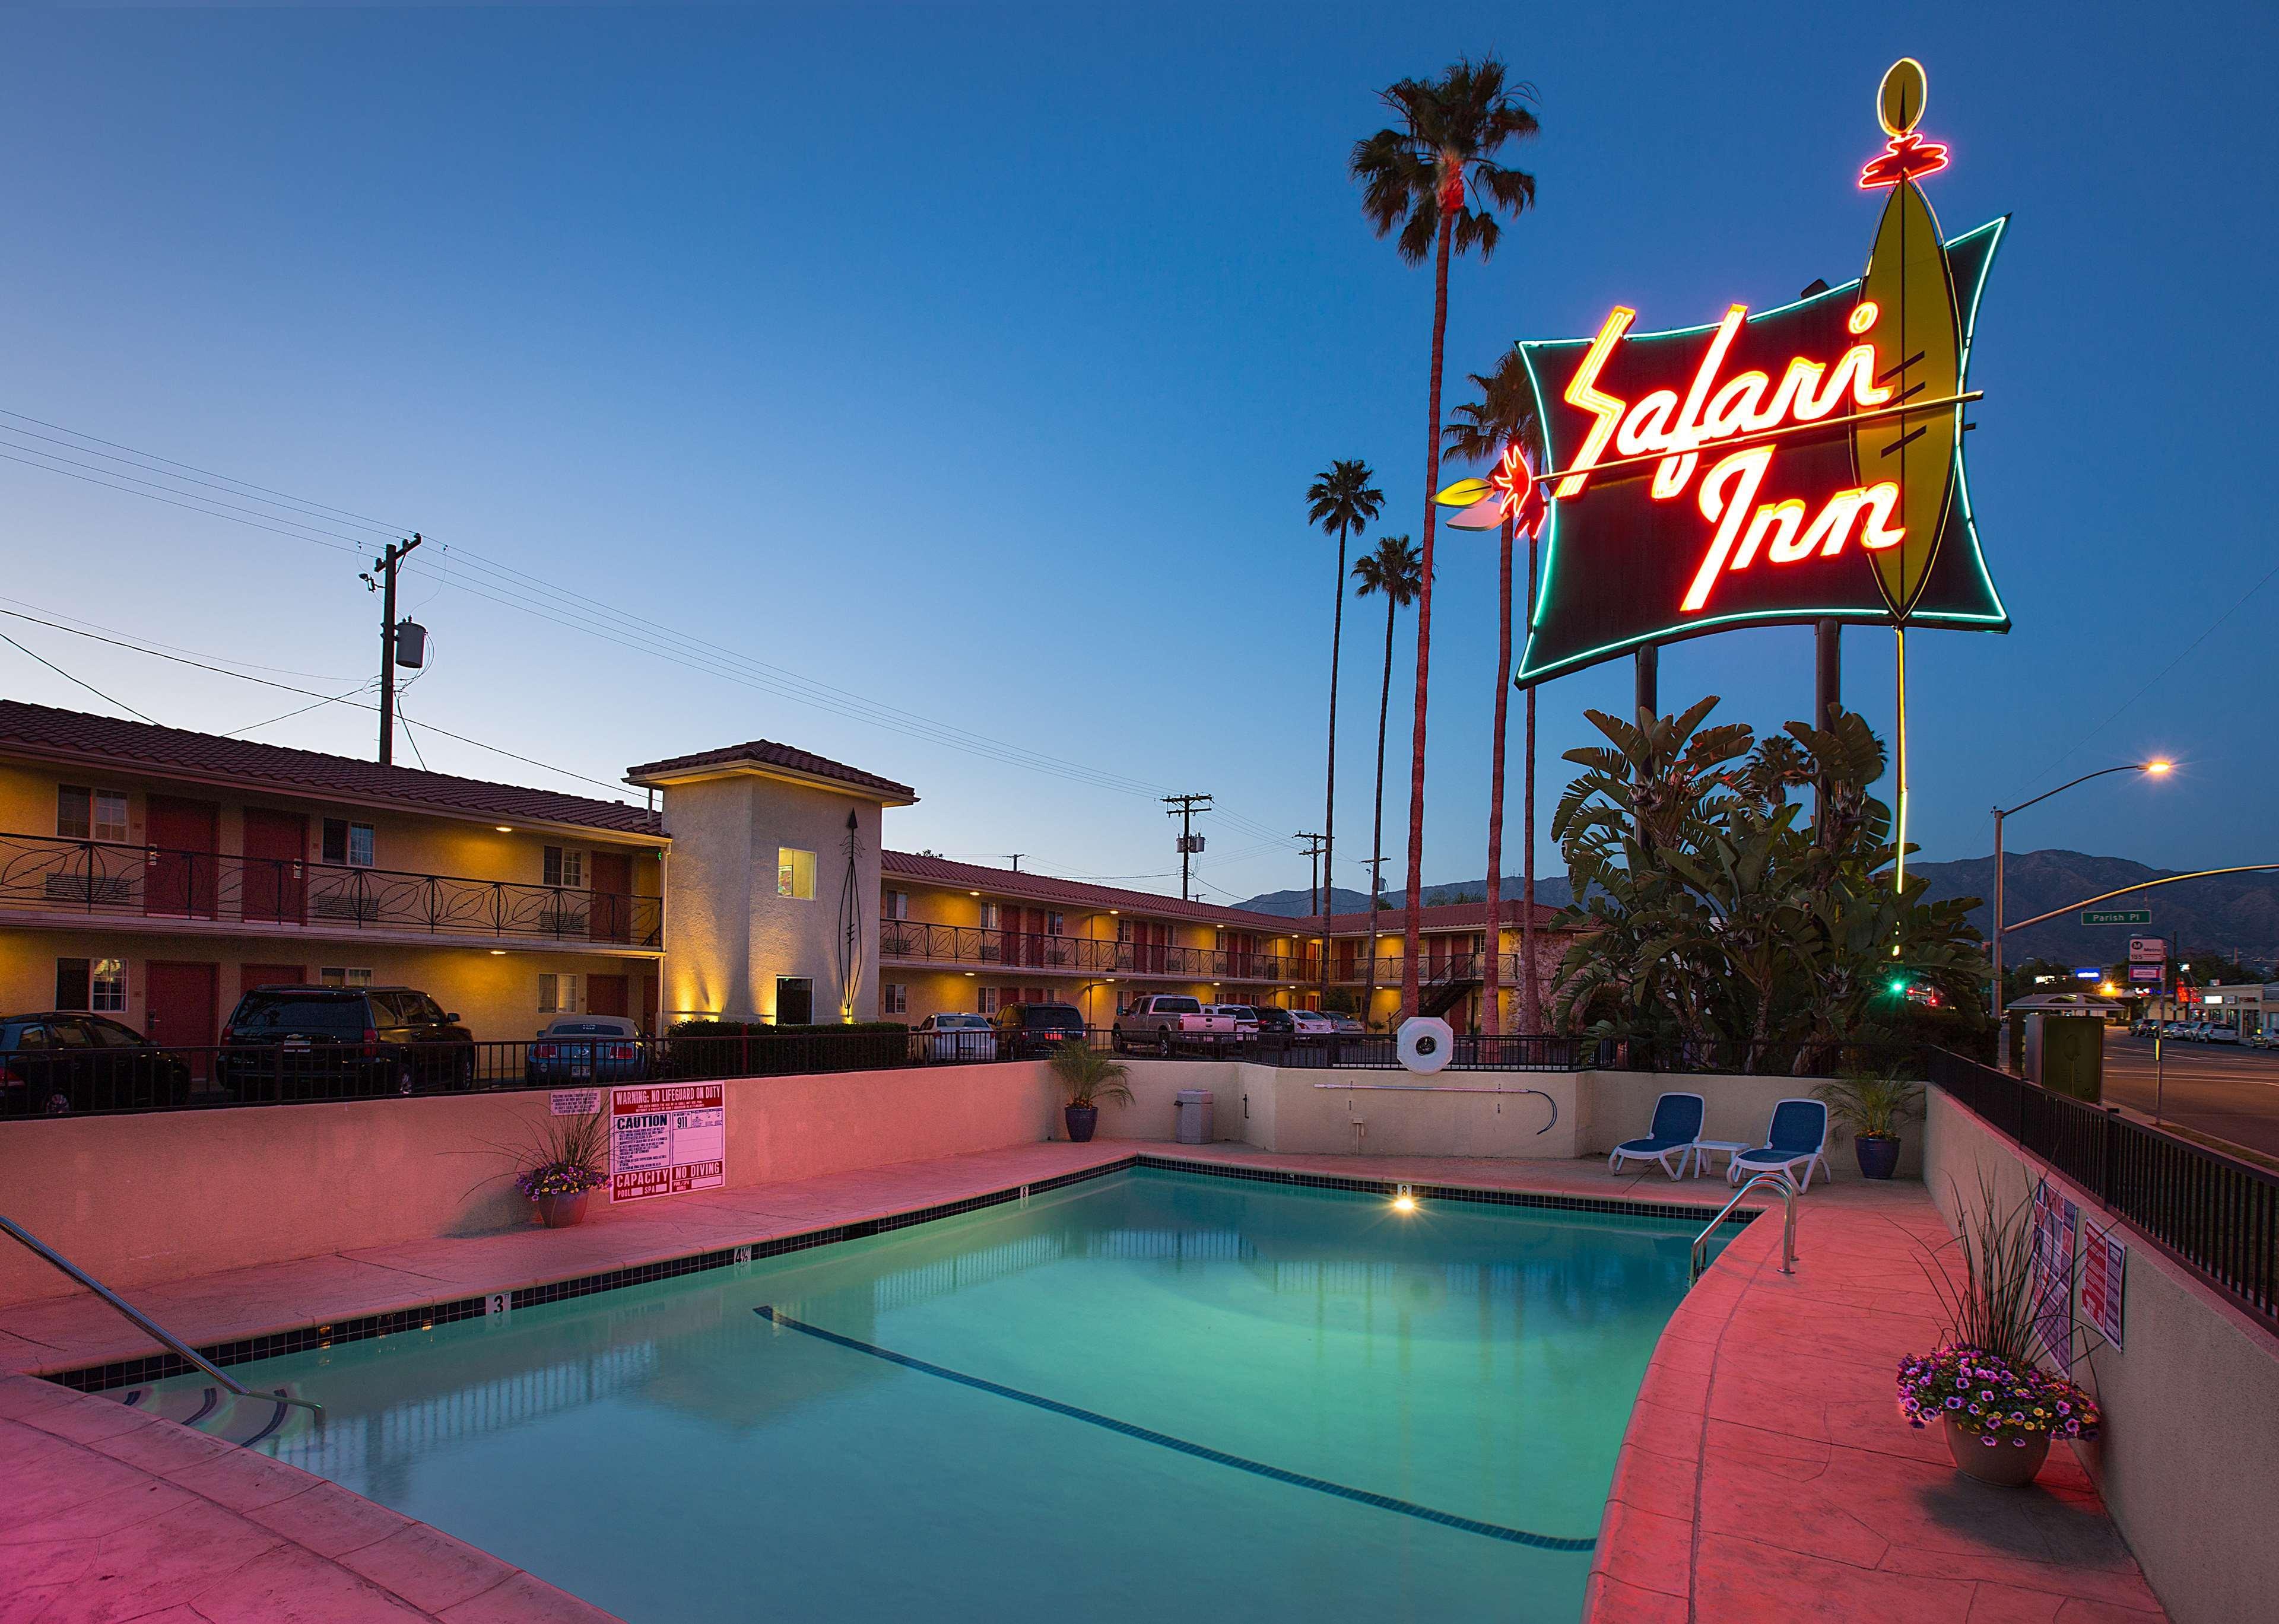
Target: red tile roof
point(1071, 893)
point(76, 736)
point(770, 754)
point(1442, 916)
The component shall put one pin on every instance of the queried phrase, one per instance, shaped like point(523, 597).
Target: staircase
point(1455, 982)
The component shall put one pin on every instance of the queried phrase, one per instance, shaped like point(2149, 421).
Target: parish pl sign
point(1787, 465)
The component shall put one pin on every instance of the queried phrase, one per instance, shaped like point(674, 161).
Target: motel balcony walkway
point(1765, 1473)
point(913, 942)
point(56, 883)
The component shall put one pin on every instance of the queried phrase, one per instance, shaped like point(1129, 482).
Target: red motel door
point(182, 998)
point(185, 835)
point(612, 910)
point(609, 995)
point(276, 887)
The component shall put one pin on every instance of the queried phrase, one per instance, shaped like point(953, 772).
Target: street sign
point(2147, 950)
point(2116, 915)
point(2144, 972)
point(2087, 972)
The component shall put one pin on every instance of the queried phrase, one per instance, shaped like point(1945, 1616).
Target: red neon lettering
point(1582, 392)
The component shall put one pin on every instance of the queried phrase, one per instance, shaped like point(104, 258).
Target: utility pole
point(387, 565)
point(1184, 808)
point(1315, 846)
point(1015, 858)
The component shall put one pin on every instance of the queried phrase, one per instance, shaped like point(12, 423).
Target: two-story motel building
point(156, 874)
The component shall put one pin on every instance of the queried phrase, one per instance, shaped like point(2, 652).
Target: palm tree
point(1413, 178)
point(1341, 500)
point(1394, 572)
point(1503, 416)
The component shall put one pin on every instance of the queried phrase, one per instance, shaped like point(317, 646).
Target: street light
point(2156, 767)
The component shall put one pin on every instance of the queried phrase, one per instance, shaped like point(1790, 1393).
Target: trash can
point(1194, 1108)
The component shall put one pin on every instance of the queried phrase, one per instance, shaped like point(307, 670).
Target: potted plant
point(1998, 1406)
point(567, 1159)
point(1873, 1105)
point(1088, 1077)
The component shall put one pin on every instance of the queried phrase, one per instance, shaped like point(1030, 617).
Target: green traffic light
point(1899, 985)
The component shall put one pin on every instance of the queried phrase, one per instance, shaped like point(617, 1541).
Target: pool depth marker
point(1201, 1451)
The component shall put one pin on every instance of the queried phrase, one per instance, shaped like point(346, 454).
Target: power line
point(252, 727)
point(67, 676)
point(614, 789)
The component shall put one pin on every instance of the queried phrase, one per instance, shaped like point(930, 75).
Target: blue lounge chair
point(1676, 1125)
point(1797, 1139)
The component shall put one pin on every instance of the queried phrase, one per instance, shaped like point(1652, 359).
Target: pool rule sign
point(667, 1139)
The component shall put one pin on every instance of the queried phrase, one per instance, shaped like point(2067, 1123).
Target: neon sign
point(1792, 464)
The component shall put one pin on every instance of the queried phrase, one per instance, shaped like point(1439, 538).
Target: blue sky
point(974, 362)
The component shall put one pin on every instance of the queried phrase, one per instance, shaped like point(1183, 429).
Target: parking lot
point(2227, 1090)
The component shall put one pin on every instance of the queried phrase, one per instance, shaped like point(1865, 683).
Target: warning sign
point(666, 1139)
point(2105, 1266)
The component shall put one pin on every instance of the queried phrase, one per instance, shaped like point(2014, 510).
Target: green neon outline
point(1952, 618)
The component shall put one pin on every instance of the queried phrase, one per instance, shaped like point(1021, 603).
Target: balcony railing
point(47, 875)
point(1085, 955)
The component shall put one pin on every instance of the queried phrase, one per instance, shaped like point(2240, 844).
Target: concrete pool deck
point(1765, 1472)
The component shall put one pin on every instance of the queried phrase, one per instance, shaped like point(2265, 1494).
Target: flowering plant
point(568, 1155)
point(2000, 1401)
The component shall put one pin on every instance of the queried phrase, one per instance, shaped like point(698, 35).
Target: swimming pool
point(1137, 1397)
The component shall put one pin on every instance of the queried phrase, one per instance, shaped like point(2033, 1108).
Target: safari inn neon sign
point(1795, 465)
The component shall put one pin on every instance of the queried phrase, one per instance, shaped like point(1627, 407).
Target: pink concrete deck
point(1768, 1403)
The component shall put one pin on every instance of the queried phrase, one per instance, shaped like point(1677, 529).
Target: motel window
point(795, 874)
point(794, 1000)
point(557, 994)
point(348, 845)
point(343, 976)
point(1055, 924)
point(84, 814)
point(71, 983)
point(106, 986)
point(894, 998)
point(898, 905)
point(988, 916)
point(565, 866)
point(989, 1000)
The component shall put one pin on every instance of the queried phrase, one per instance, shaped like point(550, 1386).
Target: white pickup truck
point(1164, 1021)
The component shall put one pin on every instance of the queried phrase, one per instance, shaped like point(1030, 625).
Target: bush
point(755, 1049)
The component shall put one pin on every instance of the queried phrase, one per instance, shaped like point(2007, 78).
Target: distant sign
point(574, 1101)
point(2087, 972)
point(2144, 972)
point(2116, 915)
point(2147, 950)
point(667, 1140)
point(2104, 1269)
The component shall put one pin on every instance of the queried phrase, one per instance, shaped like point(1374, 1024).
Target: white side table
point(1702, 1149)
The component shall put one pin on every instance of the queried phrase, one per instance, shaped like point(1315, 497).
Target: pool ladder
point(1778, 1178)
point(151, 1327)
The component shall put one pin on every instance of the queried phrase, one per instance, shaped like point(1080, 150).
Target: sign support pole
point(1649, 678)
point(1900, 872)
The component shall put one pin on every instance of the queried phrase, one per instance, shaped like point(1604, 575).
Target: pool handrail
point(144, 1322)
point(1778, 1177)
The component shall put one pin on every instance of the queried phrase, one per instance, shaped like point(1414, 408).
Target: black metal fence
point(57, 1082)
point(2216, 1215)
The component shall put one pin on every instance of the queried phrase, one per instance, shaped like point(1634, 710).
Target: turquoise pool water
point(1149, 1395)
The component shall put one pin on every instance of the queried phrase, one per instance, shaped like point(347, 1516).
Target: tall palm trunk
point(1531, 999)
point(1377, 837)
point(1330, 797)
point(1412, 914)
point(1492, 977)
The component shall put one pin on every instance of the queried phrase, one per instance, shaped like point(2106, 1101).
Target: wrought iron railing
point(911, 939)
point(39, 874)
point(2213, 1214)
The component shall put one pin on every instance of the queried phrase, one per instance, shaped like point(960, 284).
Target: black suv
point(60, 1060)
point(1028, 1032)
point(342, 1043)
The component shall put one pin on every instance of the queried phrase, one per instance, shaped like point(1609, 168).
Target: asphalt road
point(2231, 1093)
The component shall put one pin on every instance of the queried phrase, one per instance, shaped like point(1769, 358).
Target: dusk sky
point(939, 385)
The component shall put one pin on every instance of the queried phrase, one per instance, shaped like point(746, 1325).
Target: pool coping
point(277, 1341)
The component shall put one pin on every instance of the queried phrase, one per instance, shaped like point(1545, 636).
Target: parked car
point(1348, 1026)
point(2173, 1030)
point(1311, 1023)
point(329, 1043)
point(1031, 1032)
point(2143, 1028)
point(1245, 1018)
point(1167, 1020)
point(956, 1037)
point(1274, 1021)
point(586, 1049)
point(58, 1061)
point(2264, 1037)
point(2221, 1031)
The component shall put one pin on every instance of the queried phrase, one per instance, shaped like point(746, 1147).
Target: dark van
point(342, 1043)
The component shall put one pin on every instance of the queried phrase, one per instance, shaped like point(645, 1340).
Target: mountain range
point(2235, 914)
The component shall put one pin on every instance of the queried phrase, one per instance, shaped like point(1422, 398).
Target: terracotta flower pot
point(1081, 1121)
point(2008, 1466)
point(561, 1211)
